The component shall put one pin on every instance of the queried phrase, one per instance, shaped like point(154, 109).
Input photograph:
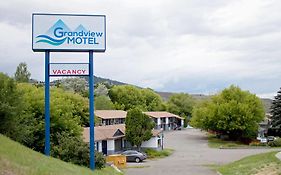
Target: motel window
point(96, 146)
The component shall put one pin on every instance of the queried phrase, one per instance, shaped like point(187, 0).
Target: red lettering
point(69, 72)
point(55, 72)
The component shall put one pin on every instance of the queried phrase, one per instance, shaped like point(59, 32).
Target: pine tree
point(138, 127)
point(276, 114)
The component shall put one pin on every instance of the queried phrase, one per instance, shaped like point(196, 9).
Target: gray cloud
point(184, 46)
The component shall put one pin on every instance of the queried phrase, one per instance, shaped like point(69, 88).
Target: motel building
point(110, 139)
point(163, 120)
point(111, 117)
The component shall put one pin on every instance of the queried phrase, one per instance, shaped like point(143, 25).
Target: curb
point(219, 173)
point(245, 147)
point(278, 155)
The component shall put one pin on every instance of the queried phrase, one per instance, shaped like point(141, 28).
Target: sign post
point(69, 33)
point(91, 106)
point(47, 104)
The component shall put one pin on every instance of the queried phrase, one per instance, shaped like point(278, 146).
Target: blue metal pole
point(47, 104)
point(91, 106)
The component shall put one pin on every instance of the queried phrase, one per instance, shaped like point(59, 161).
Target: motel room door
point(118, 144)
point(104, 147)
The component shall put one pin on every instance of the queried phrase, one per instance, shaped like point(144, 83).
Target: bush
point(99, 160)
point(275, 143)
point(10, 104)
point(257, 143)
point(71, 149)
point(151, 153)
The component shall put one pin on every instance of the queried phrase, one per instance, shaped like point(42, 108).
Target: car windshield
point(130, 152)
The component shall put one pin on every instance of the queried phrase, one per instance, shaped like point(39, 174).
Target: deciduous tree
point(103, 103)
point(22, 74)
point(126, 97)
point(153, 101)
point(101, 90)
point(10, 104)
point(69, 112)
point(182, 105)
point(232, 112)
point(77, 85)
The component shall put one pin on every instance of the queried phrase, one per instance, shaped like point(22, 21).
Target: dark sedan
point(134, 156)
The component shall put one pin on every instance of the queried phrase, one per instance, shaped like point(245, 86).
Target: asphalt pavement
point(191, 157)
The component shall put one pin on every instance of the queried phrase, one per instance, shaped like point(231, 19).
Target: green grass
point(214, 142)
point(153, 154)
point(259, 164)
point(16, 159)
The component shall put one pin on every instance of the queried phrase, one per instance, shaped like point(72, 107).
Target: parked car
point(134, 156)
point(270, 138)
point(263, 140)
point(177, 128)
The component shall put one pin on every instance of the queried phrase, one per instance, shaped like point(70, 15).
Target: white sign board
point(69, 69)
point(68, 32)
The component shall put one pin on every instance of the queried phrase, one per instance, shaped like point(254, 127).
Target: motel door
point(104, 147)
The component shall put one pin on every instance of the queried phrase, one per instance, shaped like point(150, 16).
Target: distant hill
point(267, 104)
point(108, 81)
point(16, 159)
point(165, 95)
point(97, 80)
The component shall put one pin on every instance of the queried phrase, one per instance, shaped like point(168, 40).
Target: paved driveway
point(191, 156)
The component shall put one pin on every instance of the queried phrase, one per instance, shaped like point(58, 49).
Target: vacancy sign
point(68, 33)
point(69, 69)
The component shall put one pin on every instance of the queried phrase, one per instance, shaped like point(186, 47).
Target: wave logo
point(60, 33)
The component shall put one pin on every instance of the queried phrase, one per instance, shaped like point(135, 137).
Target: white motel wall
point(110, 147)
point(98, 146)
point(153, 143)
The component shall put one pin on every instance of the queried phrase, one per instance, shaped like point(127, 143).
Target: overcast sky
point(197, 46)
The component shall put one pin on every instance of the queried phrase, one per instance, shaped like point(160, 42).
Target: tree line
point(22, 111)
point(231, 112)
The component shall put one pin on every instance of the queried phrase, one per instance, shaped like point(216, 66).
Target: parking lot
point(191, 156)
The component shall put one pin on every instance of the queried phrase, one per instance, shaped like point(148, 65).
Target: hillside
point(108, 81)
point(16, 159)
point(97, 80)
point(165, 95)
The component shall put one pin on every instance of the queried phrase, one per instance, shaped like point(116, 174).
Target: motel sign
point(69, 33)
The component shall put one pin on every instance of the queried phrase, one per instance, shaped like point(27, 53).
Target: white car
point(263, 140)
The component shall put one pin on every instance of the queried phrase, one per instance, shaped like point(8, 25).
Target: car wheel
point(137, 159)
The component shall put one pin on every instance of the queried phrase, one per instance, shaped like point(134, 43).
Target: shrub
point(275, 143)
point(257, 143)
point(99, 160)
point(71, 149)
point(151, 153)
